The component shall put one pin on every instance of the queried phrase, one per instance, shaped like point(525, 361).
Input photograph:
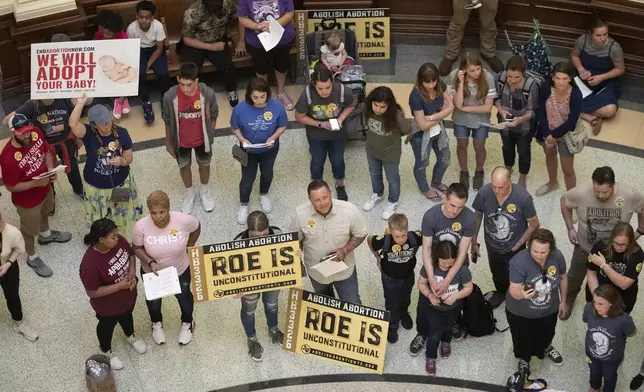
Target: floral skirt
point(125, 215)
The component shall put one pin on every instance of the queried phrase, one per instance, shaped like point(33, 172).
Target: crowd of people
point(529, 272)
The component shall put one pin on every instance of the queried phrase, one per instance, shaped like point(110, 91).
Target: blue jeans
point(185, 300)
point(397, 297)
point(393, 178)
point(249, 305)
point(442, 162)
point(266, 162)
point(160, 69)
point(606, 370)
point(347, 289)
point(319, 150)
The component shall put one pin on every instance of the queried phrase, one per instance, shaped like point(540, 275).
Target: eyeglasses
point(544, 276)
point(620, 245)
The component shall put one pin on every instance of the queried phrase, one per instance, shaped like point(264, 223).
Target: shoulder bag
point(576, 139)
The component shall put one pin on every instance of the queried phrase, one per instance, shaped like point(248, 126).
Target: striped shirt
point(612, 48)
point(519, 102)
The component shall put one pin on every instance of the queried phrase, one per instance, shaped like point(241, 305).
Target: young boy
point(153, 56)
point(396, 255)
point(110, 26)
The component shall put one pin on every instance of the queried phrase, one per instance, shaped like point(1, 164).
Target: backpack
point(530, 78)
point(535, 51)
point(517, 383)
point(477, 318)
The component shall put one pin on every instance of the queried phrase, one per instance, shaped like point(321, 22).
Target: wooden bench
point(170, 14)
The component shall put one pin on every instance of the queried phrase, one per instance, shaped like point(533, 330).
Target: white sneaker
point(266, 204)
point(242, 215)
point(185, 336)
point(25, 330)
point(115, 362)
point(207, 201)
point(391, 209)
point(137, 344)
point(188, 201)
point(158, 334)
point(369, 204)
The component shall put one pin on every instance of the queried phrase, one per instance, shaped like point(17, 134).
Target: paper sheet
point(167, 283)
point(272, 37)
point(329, 267)
point(435, 130)
point(53, 171)
point(499, 126)
point(256, 145)
point(585, 91)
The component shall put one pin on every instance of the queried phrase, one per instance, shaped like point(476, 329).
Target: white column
point(29, 9)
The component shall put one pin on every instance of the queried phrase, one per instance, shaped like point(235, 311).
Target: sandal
point(434, 196)
point(596, 125)
point(440, 187)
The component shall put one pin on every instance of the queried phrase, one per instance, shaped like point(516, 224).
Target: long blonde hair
point(481, 83)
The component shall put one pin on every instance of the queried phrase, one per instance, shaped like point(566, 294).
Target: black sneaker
point(554, 355)
point(417, 345)
point(464, 179)
point(524, 368)
point(458, 332)
point(636, 382)
point(496, 299)
point(477, 181)
point(276, 335)
point(495, 63)
point(148, 112)
point(392, 335)
point(406, 321)
point(341, 191)
point(255, 350)
point(233, 100)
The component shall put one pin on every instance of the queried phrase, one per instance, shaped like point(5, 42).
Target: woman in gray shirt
point(538, 287)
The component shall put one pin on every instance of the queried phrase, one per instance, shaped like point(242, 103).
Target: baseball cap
point(99, 114)
point(19, 124)
point(60, 38)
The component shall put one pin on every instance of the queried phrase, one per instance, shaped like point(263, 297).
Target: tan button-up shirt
point(320, 235)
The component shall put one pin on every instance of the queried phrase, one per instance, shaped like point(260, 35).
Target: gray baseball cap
point(99, 114)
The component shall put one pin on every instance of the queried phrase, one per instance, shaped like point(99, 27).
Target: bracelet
point(10, 262)
point(571, 228)
point(601, 267)
point(152, 261)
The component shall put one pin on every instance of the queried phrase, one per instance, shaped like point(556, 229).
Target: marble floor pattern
point(217, 357)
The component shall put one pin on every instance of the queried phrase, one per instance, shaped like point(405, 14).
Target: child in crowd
point(442, 310)
point(334, 56)
point(608, 328)
point(386, 124)
point(153, 56)
point(474, 92)
point(396, 256)
point(110, 26)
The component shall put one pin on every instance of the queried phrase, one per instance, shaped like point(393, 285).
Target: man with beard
point(26, 156)
point(600, 205)
point(510, 219)
point(330, 227)
point(205, 36)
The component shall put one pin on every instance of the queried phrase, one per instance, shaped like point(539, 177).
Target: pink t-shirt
point(168, 245)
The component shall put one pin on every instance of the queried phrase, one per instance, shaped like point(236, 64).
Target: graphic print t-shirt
point(258, 124)
point(103, 269)
point(383, 143)
point(504, 224)
point(259, 10)
point(20, 164)
point(322, 109)
point(100, 149)
point(545, 280)
point(462, 277)
point(630, 269)
point(437, 225)
point(53, 120)
point(190, 121)
point(597, 219)
point(398, 261)
point(606, 336)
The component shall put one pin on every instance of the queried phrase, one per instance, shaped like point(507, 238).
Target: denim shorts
point(463, 132)
point(561, 148)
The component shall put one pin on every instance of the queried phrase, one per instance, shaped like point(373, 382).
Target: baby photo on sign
point(116, 71)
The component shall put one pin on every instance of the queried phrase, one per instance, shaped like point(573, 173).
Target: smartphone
point(509, 117)
point(528, 286)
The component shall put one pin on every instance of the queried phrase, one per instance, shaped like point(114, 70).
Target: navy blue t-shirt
point(100, 149)
point(258, 124)
point(417, 102)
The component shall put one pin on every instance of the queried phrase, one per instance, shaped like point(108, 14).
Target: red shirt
point(190, 121)
point(120, 35)
point(103, 269)
point(21, 164)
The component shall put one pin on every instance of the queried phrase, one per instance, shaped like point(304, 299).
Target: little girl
point(442, 310)
point(608, 328)
point(386, 124)
point(334, 56)
point(474, 93)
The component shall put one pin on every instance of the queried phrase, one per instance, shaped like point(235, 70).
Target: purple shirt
point(259, 10)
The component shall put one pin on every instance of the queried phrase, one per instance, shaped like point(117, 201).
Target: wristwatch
point(319, 124)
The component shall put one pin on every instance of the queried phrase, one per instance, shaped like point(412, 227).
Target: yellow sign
point(249, 265)
point(371, 26)
point(336, 330)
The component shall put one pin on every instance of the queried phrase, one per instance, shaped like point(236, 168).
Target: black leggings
point(531, 336)
point(10, 284)
point(105, 328)
point(222, 60)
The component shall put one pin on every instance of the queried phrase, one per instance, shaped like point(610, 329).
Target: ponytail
point(99, 229)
